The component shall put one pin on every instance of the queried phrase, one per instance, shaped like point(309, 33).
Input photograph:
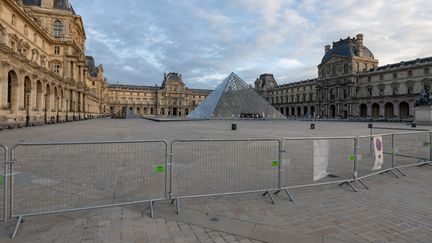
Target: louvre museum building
point(351, 85)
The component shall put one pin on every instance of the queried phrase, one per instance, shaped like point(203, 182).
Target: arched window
point(58, 28)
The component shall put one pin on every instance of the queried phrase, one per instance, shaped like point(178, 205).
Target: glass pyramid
point(234, 98)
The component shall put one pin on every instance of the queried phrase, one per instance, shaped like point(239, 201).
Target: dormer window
point(58, 28)
point(410, 73)
point(57, 50)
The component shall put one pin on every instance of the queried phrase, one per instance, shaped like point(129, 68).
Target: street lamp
point(27, 95)
point(73, 109)
point(46, 101)
point(67, 110)
point(79, 111)
point(58, 104)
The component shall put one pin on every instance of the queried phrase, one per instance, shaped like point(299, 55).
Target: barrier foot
point(178, 205)
point(270, 195)
point(425, 164)
point(16, 227)
point(289, 195)
point(364, 184)
point(403, 174)
point(349, 184)
point(389, 171)
point(151, 210)
point(394, 174)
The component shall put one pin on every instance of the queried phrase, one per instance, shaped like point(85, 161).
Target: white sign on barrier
point(321, 158)
point(379, 154)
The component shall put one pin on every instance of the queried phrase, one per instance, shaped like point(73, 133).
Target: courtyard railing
point(45, 178)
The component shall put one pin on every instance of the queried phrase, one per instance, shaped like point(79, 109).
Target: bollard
point(312, 126)
point(233, 127)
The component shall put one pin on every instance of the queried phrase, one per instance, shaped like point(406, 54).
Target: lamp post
point(27, 95)
point(67, 110)
point(73, 109)
point(58, 104)
point(46, 101)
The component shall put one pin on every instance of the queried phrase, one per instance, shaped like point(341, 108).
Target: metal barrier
point(367, 164)
point(317, 161)
point(414, 148)
point(203, 168)
point(45, 178)
point(3, 182)
point(63, 177)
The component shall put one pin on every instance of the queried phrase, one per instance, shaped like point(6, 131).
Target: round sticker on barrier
point(378, 144)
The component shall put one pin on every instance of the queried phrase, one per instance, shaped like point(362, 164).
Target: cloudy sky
point(204, 40)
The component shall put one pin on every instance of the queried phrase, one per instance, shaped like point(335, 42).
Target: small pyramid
point(125, 113)
point(234, 98)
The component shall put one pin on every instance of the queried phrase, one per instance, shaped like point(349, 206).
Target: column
point(3, 86)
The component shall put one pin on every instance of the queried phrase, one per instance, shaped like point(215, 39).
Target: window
point(25, 30)
point(381, 77)
point(426, 71)
point(369, 91)
point(57, 50)
point(58, 28)
point(93, 83)
point(13, 20)
point(57, 68)
point(410, 73)
point(395, 75)
point(346, 68)
point(369, 79)
point(410, 89)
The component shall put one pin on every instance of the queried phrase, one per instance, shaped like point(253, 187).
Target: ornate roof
point(347, 48)
point(172, 77)
point(92, 69)
point(57, 4)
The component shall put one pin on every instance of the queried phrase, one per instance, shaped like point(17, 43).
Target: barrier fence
point(222, 167)
point(317, 161)
point(3, 182)
point(62, 177)
point(412, 148)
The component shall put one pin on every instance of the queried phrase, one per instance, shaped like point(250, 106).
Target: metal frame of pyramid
point(125, 113)
point(234, 98)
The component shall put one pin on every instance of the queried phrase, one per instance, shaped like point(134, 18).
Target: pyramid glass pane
point(234, 98)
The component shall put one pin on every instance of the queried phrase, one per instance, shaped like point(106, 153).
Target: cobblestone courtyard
point(394, 210)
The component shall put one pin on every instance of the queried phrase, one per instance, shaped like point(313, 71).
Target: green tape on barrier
point(351, 157)
point(275, 163)
point(159, 169)
point(427, 145)
point(1, 180)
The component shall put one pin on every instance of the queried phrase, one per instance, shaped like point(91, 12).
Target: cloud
point(137, 41)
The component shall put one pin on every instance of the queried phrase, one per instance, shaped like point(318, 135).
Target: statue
point(425, 98)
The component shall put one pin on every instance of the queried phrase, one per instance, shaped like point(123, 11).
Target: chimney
point(360, 39)
point(165, 76)
point(327, 48)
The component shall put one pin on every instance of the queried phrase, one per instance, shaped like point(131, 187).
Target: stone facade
point(351, 85)
point(172, 98)
point(44, 73)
